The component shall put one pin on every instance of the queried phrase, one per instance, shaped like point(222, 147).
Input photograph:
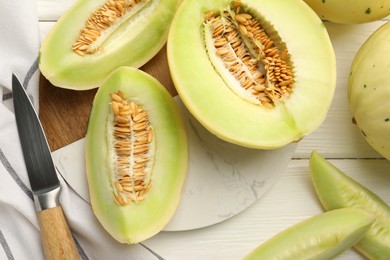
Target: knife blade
point(56, 237)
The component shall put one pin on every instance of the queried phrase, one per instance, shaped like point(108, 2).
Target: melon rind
point(369, 90)
point(224, 113)
point(350, 11)
point(133, 44)
point(137, 221)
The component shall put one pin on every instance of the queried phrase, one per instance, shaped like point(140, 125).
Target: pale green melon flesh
point(323, 236)
point(134, 43)
point(350, 11)
point(229, 116)
point(337, 190)
point(369, 90)
point(137, 221)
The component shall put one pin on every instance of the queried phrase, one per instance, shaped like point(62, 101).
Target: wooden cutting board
point(64, 113)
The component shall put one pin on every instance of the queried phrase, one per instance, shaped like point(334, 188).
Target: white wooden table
point(292, 198)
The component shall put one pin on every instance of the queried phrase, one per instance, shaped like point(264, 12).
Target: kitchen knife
point(56, 237)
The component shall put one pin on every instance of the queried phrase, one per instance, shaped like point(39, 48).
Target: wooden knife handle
point(57, 239)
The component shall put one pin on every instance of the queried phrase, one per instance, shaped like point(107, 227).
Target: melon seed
point(258, 63)
point(132, 146)
point(101, 21)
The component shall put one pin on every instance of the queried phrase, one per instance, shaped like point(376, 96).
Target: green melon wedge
point(320, 237)
point(337, 190)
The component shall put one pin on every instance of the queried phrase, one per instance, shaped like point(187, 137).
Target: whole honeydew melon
point(350, 11)
point(79, 54)
point(136, 155)
point(369, 90)
point(265, 93)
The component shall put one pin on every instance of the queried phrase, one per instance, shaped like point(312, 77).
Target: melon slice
point(136, 155)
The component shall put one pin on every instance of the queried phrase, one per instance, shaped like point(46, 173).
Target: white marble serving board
point(223, 179)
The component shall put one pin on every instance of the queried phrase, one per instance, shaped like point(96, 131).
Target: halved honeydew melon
point(136, 155)
point(211, 93)
point(130, 40)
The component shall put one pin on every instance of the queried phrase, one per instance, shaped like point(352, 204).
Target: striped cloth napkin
point(19, 228)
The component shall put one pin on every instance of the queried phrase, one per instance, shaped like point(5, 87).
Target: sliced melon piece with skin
point(136, 155)
point(130, 38)
point(322, 236)
point(337, 190)
point(213, 94)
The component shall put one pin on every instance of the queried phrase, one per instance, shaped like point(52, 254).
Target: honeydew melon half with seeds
point(136, 155)
point(94, 37)
point(321, 237)
point(259, 74)
point(337, 190)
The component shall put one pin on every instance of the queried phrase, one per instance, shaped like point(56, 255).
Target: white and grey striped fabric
point(19, 229)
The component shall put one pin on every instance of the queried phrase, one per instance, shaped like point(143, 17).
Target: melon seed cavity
point(132, 150)
point(254, 65)
point(103, 22)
